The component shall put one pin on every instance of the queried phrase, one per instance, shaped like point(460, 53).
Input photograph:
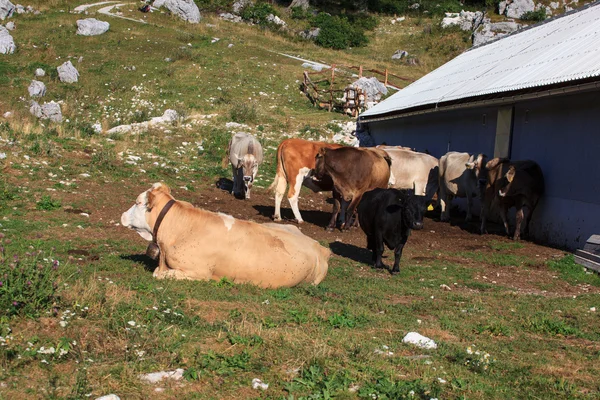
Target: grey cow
point(245, 154)
point(459, 177)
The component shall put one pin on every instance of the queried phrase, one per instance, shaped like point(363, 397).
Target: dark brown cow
point(512, 184)
point(354, 171)
point(295, 160)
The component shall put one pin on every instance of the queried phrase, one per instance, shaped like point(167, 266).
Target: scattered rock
point(10, 26)
point(230, 17)
point(258, 384)
point(169, 117)
point(371, 87)
point(554, 5)
point(109, 397)
point(414, 6)
point(236, 126)
point(466, 20)
point(489, 31)
point(310, 34)
point(91, 27)
point(40, 72)
point(37, 89)
point(303, 4)
point(230, 45)
point(515, 8)
point(68, 73)
point(419, 341)
point(215, 40)
point(399, 19)
point(274, 19)
point(6, 9)
point(7, 114)
point(7, 44)
point(445, 287)
point(239, 5)
point(384, 351)
point(184, 9)
point(347, 135)
point(399, 55)
point(156, 377)
point(49, 111)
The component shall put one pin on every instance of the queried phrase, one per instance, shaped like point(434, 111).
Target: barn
point(534, 94)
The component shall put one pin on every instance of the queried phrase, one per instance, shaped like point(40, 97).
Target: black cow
point(387, 216)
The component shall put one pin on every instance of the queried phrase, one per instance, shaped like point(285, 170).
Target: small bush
point(105, 159)
point(27, 284)
point(300, 13)
point(48, 204)
point(243, 112)
point(535, 16)
point(337, 33)
point(258, 13)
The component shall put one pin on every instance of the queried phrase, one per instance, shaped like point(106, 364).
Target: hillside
point(81, 315)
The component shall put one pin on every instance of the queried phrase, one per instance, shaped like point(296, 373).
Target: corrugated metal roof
point(561, 50)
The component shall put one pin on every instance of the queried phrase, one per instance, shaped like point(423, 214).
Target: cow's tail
point(280, 172)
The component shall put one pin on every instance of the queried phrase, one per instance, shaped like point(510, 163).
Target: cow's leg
point(397, 255)
point(334, 212)
point(469, 206)
point(519, 220)
point(484, 210)
point(378, 250)
point(529, 215)
point(170, 274)
point(445, 201)
point(294, 192)
point(280, 187)
point(504, 216)
point(371, 246)
point(350, 211)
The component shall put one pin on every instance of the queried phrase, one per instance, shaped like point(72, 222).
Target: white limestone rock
point(37, 89)
point(419, 340)
point(489, 31)
point(6, 9)
point(184, 9)
point(40, 72)
point(7, 44)
point(515, 8)
point(156, 377)
point(91, 27)
point(274, 19)
point(49, 111)
point(371, 87)
point(68, 73)
point(466, 20)
point(230, 17)
point(399, 54)
point(10, 26)
point(109, 397)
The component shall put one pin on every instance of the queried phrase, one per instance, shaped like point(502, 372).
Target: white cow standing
point(245, 154)
point(459, 177)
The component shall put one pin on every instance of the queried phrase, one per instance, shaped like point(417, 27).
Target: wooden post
point(386, 77)
point(360, 72)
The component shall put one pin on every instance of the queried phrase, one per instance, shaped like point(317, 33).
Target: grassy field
point(81, 315)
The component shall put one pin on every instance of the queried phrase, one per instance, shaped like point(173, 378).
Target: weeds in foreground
point(47, 203)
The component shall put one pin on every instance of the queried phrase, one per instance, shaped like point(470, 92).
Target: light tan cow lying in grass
point(199, 244)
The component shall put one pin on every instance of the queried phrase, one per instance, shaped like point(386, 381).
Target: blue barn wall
point(438, 133)
point(561, 133)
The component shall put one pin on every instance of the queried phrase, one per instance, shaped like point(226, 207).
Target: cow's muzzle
point(248, 179)
point(417, 225)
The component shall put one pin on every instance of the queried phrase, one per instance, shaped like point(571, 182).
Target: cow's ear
point(494, 162)
point(322, 151)
point(470, 165)
point(510, 175)
point(161, 187)
point(471, 159)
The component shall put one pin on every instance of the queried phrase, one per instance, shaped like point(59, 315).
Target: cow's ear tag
point(430, 208)
point(153, 251)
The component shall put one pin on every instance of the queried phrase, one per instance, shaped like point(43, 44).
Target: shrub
point(535, 16)
point(48, 204)
point(300, 13)
point(258, 13)
point(243, 112)
point(338, 33)
point(27, 284)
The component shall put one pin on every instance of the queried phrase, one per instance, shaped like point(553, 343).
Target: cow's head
point(320, 162)
point(507, 181)
point(249, 166)
point(414, 210)
point(136, 217)
point(478, 164)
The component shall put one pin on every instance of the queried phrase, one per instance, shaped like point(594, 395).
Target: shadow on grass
point(148, 263)
point(355, 253)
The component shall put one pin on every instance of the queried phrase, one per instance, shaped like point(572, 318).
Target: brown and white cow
point(459, 177)
point(295, 160)
point(245, 155)
point(512, 184)
point(354, 171)
point(413, 170)
point(202, 245)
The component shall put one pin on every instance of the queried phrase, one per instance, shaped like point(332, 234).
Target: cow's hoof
point(444, 219)
point(395, 272)
point(276, 218)
point(299, 221)
point(329, 229)
point(379, 266)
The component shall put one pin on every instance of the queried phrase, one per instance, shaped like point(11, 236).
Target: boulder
point(40, 72)
point(419, 340)
point(7, 44)
point(515, 8)
point(371, 87)
point(184, 9)
point(274, 19)
point(466, 20)
point(303, 4)
point(109, 397)
point(315, 67)
point(489, 31)
point(310, 34)
point(68, 73)
point(10, 26)
point(49, 111)
point(6, 9)
point(37, 89)
point(399, 54)
point(554, 5)
point(230, 17)
point(91, 27)
point(239, 5)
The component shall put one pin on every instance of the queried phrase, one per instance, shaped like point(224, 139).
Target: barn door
point(504, 128)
